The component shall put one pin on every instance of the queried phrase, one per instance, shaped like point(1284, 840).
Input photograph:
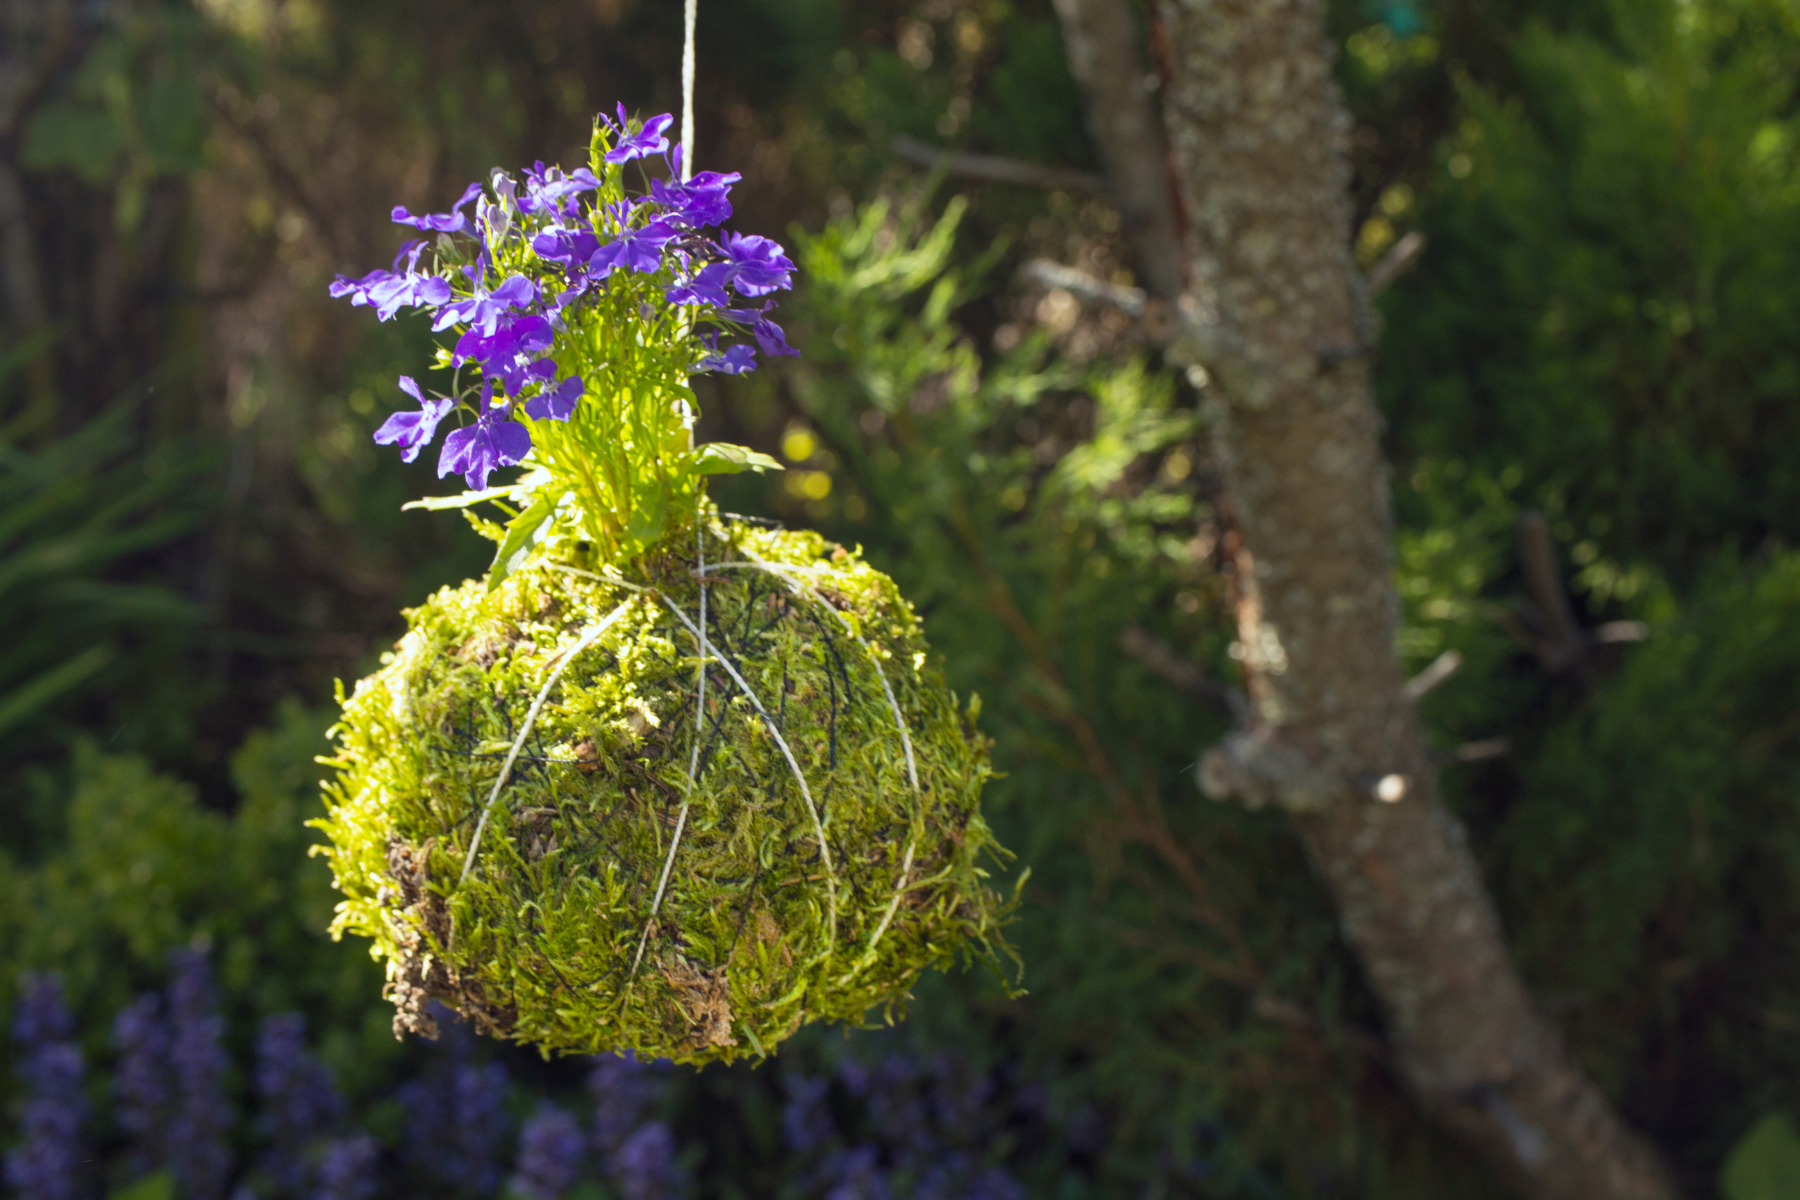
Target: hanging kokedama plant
point(666, 779)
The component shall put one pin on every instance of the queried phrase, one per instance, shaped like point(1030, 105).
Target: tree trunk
point(1276, 315)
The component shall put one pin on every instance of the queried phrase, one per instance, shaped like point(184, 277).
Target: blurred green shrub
point(1607, 302)
point(143, 869)
point(79, 515)
point(1765, 1164)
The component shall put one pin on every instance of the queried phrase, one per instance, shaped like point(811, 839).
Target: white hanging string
point(687, 796)
point(687, 90)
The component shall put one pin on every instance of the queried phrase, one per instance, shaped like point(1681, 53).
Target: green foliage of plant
point(1765, 1164)
point(696, 894)
point(144, 868)
point(74, 511)
point(1035, 508)
point(1651, 860)
point(1606, 301)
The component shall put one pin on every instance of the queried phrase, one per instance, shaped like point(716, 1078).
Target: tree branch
point(1105, 56)
point(996, 170)
point(1260, 135)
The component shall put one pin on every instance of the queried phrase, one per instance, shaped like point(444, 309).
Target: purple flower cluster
point(201, 1119)
point(928, 1128)
point(46, 1165)
point(456, 1127)
point(142, 1085)
point(551, 1150)
point(536, 253)
point(639, 1152)
point(298, 1099)
point(347, 1168)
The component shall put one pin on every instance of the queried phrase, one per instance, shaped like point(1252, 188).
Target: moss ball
point(824, 850)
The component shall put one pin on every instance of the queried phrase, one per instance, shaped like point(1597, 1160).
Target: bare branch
point(1128, 300)
point(1162, 659)
point(1396, 262)
point(1442, 667)
point(996, 170)
point(1107, 60)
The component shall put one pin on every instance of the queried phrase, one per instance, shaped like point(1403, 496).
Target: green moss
point(760, 927)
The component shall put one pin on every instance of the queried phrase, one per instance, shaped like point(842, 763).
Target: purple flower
point(636, 250)
point(456, 1119)
point(648, 140)
point(758, 265)
point(546, 190)
point(771, 339)
point(706, 287)
point(387, 292)
point(141, 1082)
point(644, 1166)
point(551, 1147)
point(857, 1175)
point(699, 202)
point(453, 221)
point(805, 1122)
point(495, 440)
point(624, 1089)
point(481, 312)
point(347, 1168)
point(299, 1100)
point(555, 403)
point(565, 245)
point(523, 335)
point(202, 1115)
point(412, 431)
point(733, 360)
point(46, 1165)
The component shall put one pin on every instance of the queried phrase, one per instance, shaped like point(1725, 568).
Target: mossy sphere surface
point(641, 879)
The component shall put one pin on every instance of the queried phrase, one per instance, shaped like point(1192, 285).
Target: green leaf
point(174, 121)
point(435, 503)
point(86, 141)
point(521, 532)
point(1765, 1164)
point(160, 1186)
point(722, 458)
point(24, 701)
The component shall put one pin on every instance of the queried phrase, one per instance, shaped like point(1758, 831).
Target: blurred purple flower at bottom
point(624, 1089)
point(857, 1175)
point(550, 1152)
point(347, 1168)
point(412, 431)
point(298, 1097)
point(556, 403)
point(141, 1082)
point(46, 1165)
point(202, 1115)
point(644, 1166)
point(805, 1122)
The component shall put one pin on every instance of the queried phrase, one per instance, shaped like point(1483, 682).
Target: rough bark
point(1102, 40)
point(1275, 314)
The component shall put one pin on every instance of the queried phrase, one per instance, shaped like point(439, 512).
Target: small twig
point(997, 170)
point(1442, 667)
point(1163, 660)
point(1129, 300)
point(1561, 643)
point(1395, 263)
point(1482, 750)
